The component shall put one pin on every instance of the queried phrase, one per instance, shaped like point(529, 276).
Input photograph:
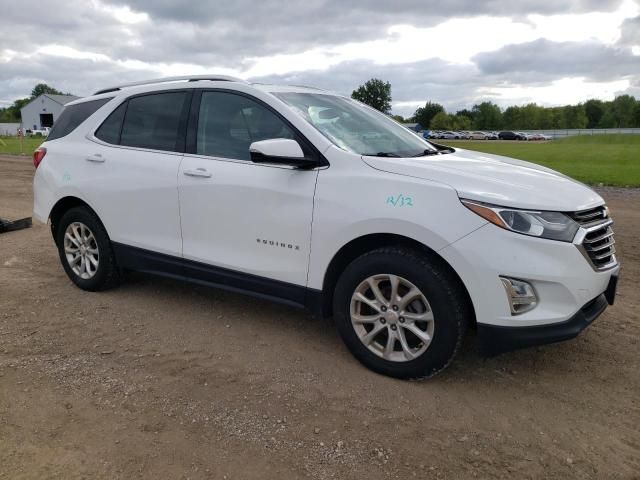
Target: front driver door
point(237, 215)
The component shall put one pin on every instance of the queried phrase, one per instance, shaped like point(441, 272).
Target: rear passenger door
point(238, 215)
point(135, 159)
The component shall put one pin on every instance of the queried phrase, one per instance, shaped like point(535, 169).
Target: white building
point(43, 110)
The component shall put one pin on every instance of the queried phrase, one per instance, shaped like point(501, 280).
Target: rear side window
point(153, 121)
point(110, 129)
point(73, 115)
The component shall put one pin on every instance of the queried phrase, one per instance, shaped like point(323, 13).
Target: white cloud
point(123, 14)
point(439, 55)
point(70, 52)
point(457, 40)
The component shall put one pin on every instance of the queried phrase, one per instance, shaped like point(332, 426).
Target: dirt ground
point(159, 379)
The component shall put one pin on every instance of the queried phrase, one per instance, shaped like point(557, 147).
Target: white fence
point(9, 129)
point(586, 131)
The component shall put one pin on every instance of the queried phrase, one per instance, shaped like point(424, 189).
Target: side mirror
point(281, 151)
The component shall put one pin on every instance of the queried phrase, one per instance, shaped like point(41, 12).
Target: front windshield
point(356, 127)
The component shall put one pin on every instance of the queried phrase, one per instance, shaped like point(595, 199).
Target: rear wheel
point(399, 313)
point(85, 250)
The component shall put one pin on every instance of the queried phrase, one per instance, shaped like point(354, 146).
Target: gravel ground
point(159, 379)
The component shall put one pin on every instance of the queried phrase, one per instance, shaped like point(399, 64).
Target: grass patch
point(598, 159)
point(11, 145)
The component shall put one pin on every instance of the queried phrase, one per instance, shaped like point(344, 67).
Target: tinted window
point(109, 131)
point(153, 121)
point(229, 123)
point(74, 115)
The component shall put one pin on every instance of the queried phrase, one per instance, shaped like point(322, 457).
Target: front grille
point(598, 243)
point(591, 216)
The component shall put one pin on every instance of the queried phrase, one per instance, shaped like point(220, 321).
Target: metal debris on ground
point(9, 226)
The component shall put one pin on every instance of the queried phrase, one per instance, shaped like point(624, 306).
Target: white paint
point(145, 199)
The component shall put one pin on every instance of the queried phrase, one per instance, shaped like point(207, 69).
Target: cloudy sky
point(457, 52)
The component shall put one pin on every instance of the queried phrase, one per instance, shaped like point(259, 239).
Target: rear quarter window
point(110, 129)
point(154, 121)
point(73, 115)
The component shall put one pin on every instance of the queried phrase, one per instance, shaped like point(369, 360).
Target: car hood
point(495, 179)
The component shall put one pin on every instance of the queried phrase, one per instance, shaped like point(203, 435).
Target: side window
point(229, 123)
point(153, 121)
point(73, 115)
point(110, 129)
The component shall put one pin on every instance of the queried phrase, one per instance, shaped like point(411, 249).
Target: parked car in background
point(450, 135)
point(42, 132)
point(509, 135)
point(539, 136)
point(525, 136)
point(492, 135)
point(412, 243)
point(479, 135)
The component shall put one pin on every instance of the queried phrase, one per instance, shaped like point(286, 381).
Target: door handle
point(97, 158)
point(197, 172)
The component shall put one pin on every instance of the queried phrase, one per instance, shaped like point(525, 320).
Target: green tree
point(575, 116)
point(399, 118)
point(545, 119)
point(41, 88)
point(622, 109)
point(375, 93)
point(594, 109)
point(465, 113)
point(14, 110)
point(511, 117)
point(636, 115)
point(424, 115)
point(461, 122)
point(441, 121)
point(487, 116)
point(558, 119)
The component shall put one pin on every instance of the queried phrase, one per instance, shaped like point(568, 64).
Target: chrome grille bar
point(595, 240)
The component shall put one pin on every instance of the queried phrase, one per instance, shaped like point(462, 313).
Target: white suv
point(316, 200)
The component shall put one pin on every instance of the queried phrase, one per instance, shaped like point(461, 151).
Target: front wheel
point(400, 313)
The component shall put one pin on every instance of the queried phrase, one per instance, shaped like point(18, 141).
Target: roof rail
point(309, 87)
point(188, 78)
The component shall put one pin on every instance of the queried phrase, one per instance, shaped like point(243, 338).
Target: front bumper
point(561, 277)
point(493, 339)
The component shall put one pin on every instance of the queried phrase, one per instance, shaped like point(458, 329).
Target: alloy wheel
point(392, 317)
point(81, 250)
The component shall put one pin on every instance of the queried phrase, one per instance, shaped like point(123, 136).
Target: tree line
point(11, 114)
point(621, 112)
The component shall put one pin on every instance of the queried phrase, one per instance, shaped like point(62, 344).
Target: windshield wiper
point(426, 152)
point(383, 154)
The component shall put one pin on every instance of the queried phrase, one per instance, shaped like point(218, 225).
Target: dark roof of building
point(61, 99)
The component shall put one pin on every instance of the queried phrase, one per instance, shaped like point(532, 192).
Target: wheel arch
point(63, 205)
point(358, 246)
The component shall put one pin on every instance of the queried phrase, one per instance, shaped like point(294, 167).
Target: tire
point(444, 301)
point(86, 230)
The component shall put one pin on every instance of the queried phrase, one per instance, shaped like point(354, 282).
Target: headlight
point(551, 225)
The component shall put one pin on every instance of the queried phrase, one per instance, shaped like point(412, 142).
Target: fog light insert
point(520, 295)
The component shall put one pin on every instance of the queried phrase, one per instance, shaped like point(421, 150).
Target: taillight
point(38, 155)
